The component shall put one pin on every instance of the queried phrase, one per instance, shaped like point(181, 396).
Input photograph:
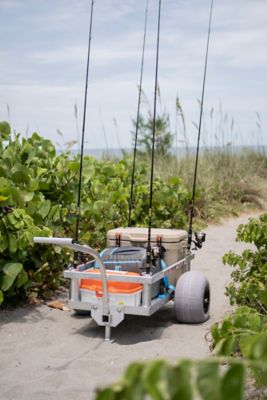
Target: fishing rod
point(78, 211)
point(137, 118)
point(149, 255)
point(192, 207)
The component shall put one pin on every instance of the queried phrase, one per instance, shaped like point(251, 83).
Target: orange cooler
point(120, 293)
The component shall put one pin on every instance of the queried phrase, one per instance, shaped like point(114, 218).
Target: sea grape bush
point(239, 342)
point(26, 211)
point(38, 196)
point(244, 333)
point(186, 380)
point(249, 276)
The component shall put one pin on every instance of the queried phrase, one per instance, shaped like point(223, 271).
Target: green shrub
point(249, 276)
point(38, 196)
point(244, 333)
point(186, 380)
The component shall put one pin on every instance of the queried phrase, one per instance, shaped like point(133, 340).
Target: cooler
point(173, 240)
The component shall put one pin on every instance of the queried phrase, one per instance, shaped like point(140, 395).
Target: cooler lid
point(133, 234)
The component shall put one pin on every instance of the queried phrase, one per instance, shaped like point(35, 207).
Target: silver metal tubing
point(107, 333)
point(92, 252)
point(55, 241)
point(87, 250)
point(177, 265)
point(155, 305)
point(146, 295)
point(120, 277)
point(74, 290)
point(116, 277)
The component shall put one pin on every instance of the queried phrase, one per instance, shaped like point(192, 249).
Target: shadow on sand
point(134, 329)
point(24, 314)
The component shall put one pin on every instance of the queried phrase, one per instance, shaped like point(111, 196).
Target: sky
point(43, 50)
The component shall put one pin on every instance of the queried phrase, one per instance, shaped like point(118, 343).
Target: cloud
point(43, 57)
point(8, 4)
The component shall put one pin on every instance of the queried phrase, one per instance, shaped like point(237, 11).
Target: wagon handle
point(69, 243)
point(55, 241)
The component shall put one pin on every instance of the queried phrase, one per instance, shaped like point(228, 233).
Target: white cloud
point(43, 57)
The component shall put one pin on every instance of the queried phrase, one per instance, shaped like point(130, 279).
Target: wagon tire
point(192, 298)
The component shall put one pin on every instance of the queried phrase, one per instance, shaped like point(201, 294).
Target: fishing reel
point(200, 238)
point(79, 259)
point(158, 252)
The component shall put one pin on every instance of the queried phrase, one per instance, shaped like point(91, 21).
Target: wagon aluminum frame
point(102, 310)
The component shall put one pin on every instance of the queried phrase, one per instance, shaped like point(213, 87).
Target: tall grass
point(227, 182)
point(230, 178)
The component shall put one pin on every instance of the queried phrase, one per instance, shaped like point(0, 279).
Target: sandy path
point(52, 354)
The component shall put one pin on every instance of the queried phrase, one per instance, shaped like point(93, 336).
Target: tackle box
point(173, 240)
point(120, 293)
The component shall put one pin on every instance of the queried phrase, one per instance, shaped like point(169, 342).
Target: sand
point(52, 354)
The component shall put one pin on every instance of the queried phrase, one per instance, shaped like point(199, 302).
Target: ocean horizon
point(179, 151)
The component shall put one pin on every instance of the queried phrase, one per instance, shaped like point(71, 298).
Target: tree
point(163, 135)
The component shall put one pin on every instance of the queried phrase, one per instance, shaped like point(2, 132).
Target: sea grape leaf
point(106, 394)
point(17, 197)
point(22, 278)
point(26, 196)
point(215, 332)
point(3, 198)
point(21, 176)
point(44, 186)
point(19, 219)
point(108, 170)
point(179, 379)
point(155, 379)
point(10, 271)
point(3, 242)
point(4, 183)
point(225, 346)
point(134, 386)
point(174, 181)
point(12, 243)
point(40, 171)
point(5, 130)
point(74, 166)
point(226, 327)
point(44, 208)
point(263, 297)
point(55, 213)
point(259, 348)
point(208, 380)
point(233, 382)
point(25, 239)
